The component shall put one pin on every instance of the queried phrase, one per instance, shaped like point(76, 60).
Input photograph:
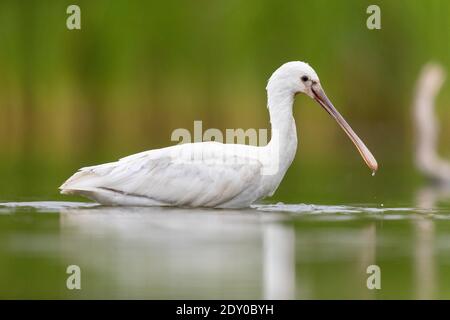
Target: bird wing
point(172, 176)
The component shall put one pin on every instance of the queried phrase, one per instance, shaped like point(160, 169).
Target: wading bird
point(426, 125)
point(212, 174)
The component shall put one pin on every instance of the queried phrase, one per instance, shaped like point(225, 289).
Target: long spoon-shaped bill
point(323, 100)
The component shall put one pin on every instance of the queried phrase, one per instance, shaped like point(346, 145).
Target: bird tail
point(86, 179)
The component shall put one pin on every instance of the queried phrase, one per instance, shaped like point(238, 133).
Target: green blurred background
point(137, 70)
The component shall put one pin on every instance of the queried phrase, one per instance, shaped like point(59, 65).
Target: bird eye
point(305, 78)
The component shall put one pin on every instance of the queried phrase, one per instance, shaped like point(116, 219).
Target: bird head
point(299, 77)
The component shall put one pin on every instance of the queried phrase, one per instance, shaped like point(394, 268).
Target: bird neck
point(282, 122)
point(283, 129)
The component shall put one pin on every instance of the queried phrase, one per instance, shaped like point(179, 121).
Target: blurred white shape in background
point(435, 169)
point(427, 159)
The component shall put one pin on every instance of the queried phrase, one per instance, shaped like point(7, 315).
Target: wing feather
point(161, 176)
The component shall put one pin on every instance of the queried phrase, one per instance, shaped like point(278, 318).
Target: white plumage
point(212, 174)
point(160, 178)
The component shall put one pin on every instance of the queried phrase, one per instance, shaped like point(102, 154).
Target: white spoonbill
point(212, 174)
point(426, 125)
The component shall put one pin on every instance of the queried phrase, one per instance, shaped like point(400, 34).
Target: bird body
point(212, 174)
point(225, 176)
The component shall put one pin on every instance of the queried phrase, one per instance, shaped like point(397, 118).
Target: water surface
point(282, 251)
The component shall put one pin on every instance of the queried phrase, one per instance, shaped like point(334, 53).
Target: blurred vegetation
point(137, 70)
